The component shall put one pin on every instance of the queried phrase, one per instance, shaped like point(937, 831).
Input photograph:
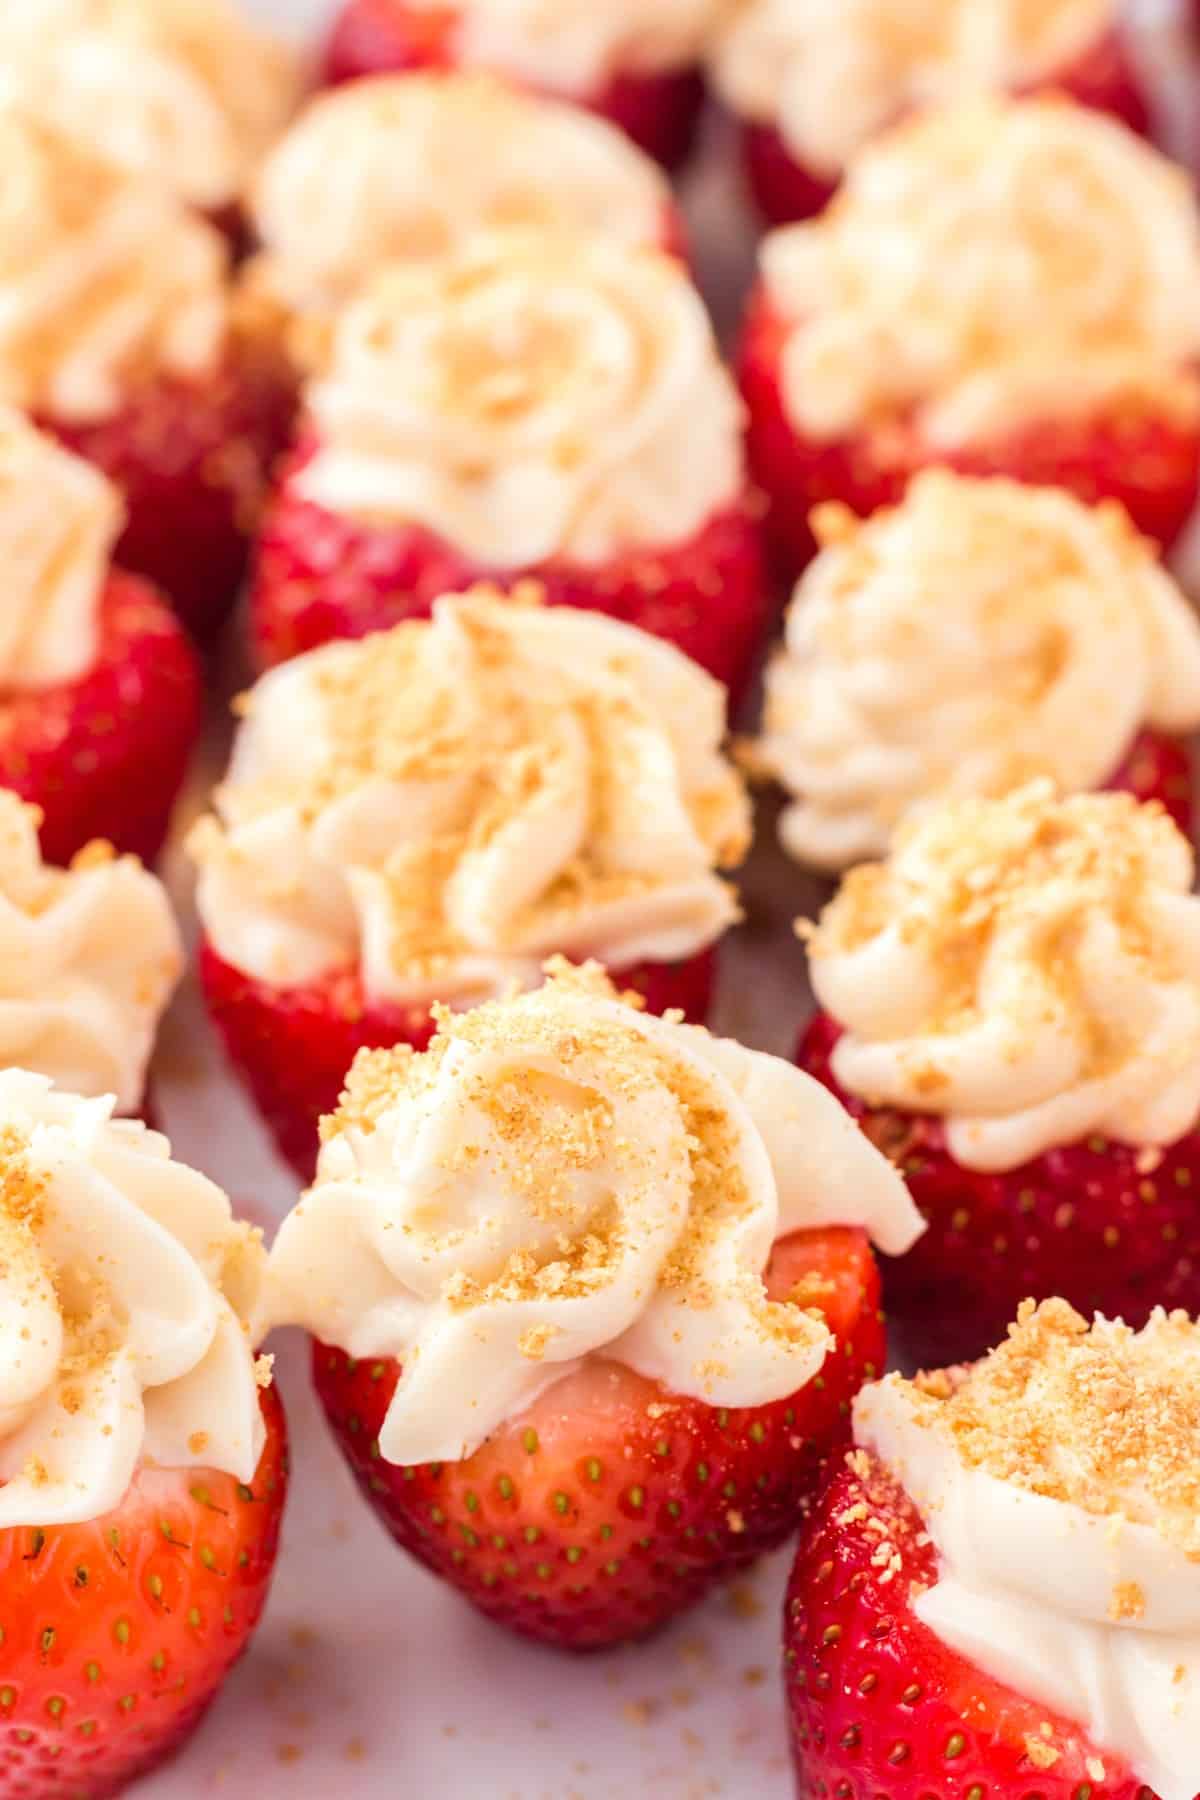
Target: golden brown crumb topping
point(552, 1079)
point(1100, 1416)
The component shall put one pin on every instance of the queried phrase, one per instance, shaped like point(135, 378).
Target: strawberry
point(1147, 460)
point(119, 1633)
point(320, 575)
point(784, 189)
point(293, 1046)
point(1109, 1226)
point(1159, 768)
point(878, 1707)
point(191, 459)
point(611, 1504)
point(105, 756)
point(660, 111)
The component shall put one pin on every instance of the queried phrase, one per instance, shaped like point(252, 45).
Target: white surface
point(370, 1681)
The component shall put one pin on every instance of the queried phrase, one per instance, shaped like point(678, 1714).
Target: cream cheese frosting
point(1060, 1483)
point(104, 278)
point(831, 74)
point(182, 91)
point(89, 957)
point(59, 521)
point(443, 805)
point(576, 47)
point(408, 167)
point(1028, 969)
point(536, 396)
point(124, 1286)
point(560, 1177)
point(988, 265)
point(977, 635)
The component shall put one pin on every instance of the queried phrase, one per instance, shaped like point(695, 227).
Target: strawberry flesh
point(1108, 1226)
point(1103, 77)
point(660, 111)
point(191, 459)
point(105, 756)
point(320, 575)
point(1149, 461)
point(611, 1505)
point(878, 1707)
point(119, 1633)
point(292, 1046)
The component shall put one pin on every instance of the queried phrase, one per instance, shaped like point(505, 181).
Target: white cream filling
point(1026, 1587)
point(121, 1338)
point(438, 1193)
point(536, 397)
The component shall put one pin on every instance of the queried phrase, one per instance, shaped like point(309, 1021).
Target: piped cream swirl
point(536, 396)
point(407, 167)
point(105, 279)
point(975, 636)
point(89, 957)
point(444, 805)
point(59, 521)
point(989, 265)
point(1028, 969)
point(124, 1286)
point(1059, 1481)
point(830, 74)
point(182, 91)
point(576, 47)
point(561, 1177)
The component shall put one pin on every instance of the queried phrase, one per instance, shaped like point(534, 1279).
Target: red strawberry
point(1104, 77)
point(612, 1504)
point(293, 1046)
point(1108, 1226)
point(191, 459)
point(1159, 768)
point(105, 756)
point(881, 1709)
point(659, 111)
point(1149, 461)
point(118, 1633)
point(320, 576)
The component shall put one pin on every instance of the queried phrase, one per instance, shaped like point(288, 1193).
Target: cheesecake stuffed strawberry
point(812, 84)
point(89, 957)
point(427, 814)
point(1011, 1009)
point(142, 1448)
point(532, 403)
point(100, 690)
point(977, 634)
point(638, 67)
point(115, 333)
point(407, 167)
point(1003, 287)
point(998, 1592)
point(591, 1292)
point(188, 93)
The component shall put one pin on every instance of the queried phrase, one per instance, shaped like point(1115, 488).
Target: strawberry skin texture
point(1159, 768)
point(659, 111)
point(878, 1707)
point(784, 189)
point(1148, 461)
point(191, 459)
point(105, 756)
point(320, 576)
point(293, 1046)
point(119, 1633)
point(611, 1504)
point(1109, 1226)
